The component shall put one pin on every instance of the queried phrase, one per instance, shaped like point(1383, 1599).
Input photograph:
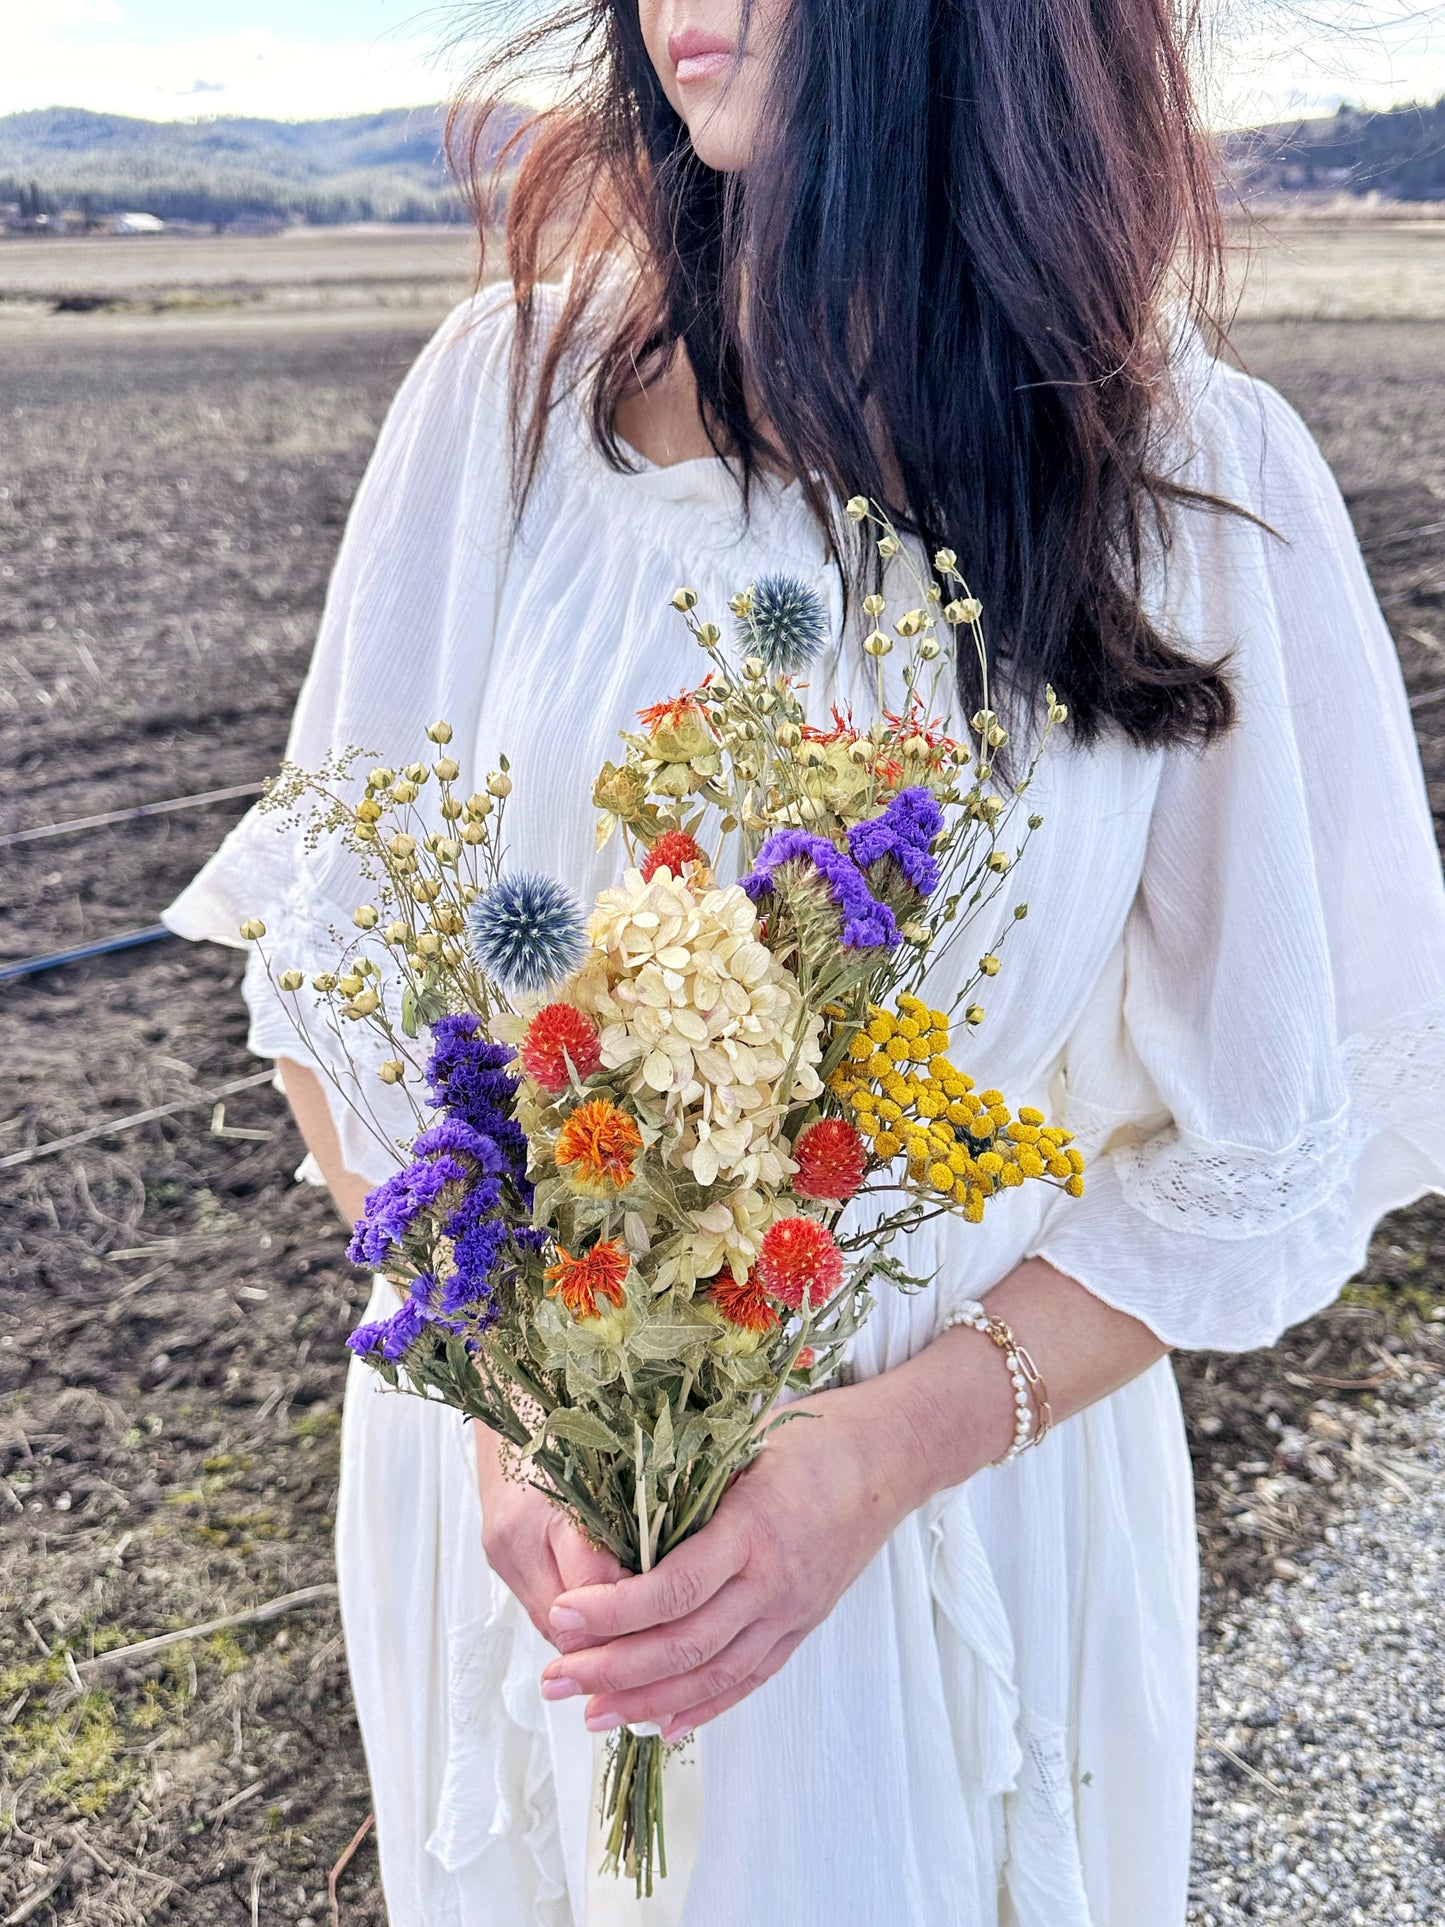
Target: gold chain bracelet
point(1033, 1415)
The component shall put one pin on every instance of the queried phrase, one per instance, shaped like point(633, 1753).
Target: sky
point(298, 59)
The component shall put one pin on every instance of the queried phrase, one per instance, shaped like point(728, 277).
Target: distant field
point(1290, 267)
point(1284, 267)
point(416, 272)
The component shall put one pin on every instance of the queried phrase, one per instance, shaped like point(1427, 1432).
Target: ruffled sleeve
point(1261, 1074)
point(404, 639)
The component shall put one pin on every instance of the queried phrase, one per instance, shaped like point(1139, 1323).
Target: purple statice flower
point(392, 1209)
point(367, 1338)
point(472, 1286)
point(391, 1336)
point(457, 1045)
point(487, 1254)
point(455, 1134)
point(477, 1145)
point(485, 1249)
point(905, 832)
point(467, 1077)
point(867, 924)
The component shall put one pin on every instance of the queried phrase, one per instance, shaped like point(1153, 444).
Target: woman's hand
point(722, 1613)
point(726, 1609)
point(532, 1546)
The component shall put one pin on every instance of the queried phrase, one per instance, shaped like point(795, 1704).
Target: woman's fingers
point(678, 1585)
point(773, 1662)
point(661, 1653)
point(725, 1678)
point(578, 1561)
point(530, 1574)
point(659, 1700)
point(578, 1564)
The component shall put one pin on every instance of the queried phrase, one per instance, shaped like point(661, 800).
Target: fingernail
point(561, 1688)
point(566, 1619)
point(603, 1722)
point(675, 1730)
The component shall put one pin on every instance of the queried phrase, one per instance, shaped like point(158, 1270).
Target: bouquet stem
point(632, 1810)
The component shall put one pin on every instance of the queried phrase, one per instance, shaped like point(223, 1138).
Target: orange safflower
point(598, 1274)
point(914, 724)
point(844, 729)
point(596, 1148)
point(743, 1304)
point(667, 715)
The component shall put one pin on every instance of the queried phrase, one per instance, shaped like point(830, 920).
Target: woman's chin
point(723, 147)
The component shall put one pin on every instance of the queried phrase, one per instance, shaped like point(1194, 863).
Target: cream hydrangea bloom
point(724, 1236)
point(704, 1022)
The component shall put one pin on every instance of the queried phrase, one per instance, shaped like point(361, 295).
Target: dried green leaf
point(576, 1428)
point(662, 1442)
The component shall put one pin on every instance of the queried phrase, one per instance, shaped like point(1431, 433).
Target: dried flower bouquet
point(664, 1150)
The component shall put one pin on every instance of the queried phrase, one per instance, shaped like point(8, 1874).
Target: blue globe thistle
point(527, 932)
point(787, 624)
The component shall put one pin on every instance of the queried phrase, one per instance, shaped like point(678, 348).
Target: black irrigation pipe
point(196, 1103)
point(130, 939)
point(232, 795)
point(102, 947)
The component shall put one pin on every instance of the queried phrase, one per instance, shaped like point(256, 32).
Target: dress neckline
point(706, 478)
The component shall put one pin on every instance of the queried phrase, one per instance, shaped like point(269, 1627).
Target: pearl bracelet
point(1028, 1384)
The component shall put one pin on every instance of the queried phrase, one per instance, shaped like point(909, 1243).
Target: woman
point(932, 254)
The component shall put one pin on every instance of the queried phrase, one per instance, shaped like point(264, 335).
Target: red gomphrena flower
point(798, 1260)
point(831, 1159)
point(672, 851)
point(558, 1032)
point(743, 1304)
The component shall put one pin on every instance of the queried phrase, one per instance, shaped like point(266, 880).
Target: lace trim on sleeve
point(1398, 1066)
point(1230, 1191)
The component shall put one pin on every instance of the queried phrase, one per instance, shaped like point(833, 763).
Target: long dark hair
point(966, 234)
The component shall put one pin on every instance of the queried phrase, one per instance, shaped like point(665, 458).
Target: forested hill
point(370, 167)
point(1399, 155)
point(388, 166)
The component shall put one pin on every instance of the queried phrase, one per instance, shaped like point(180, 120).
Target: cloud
point(260, 73)
point(1272, 60)
point(70, 13)
point(1280, 61)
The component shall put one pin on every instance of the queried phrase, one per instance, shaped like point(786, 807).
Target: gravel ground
point(1321, 1784)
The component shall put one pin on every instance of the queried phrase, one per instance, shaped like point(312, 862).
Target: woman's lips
point(702, 67)
point(696, 55)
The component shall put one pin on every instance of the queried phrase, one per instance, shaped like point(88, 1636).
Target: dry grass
point(320, 259)
point(1339, 266)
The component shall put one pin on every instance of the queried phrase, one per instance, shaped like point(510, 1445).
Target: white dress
point(1231, 984)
